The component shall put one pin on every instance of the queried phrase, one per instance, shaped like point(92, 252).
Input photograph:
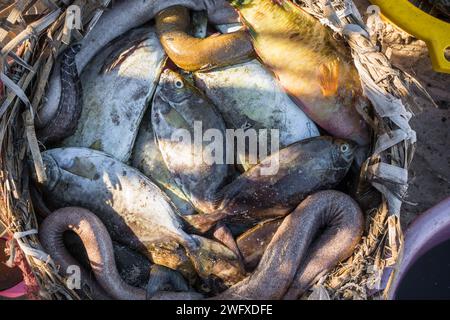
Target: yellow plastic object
point(435, 32)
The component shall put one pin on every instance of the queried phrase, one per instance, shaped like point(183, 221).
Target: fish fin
point(217, 199)
point(329, 78)
point(203, 222)
point(223, 234)
point(160, 277)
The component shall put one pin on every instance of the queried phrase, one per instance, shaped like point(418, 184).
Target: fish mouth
point(165, 75)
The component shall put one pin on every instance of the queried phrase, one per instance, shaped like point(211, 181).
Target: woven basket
point(28, 53)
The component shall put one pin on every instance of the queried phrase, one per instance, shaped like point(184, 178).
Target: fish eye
point(179, 84)
point(345, 147)
point(205, 287)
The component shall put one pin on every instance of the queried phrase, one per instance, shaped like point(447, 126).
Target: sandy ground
point(430, 171)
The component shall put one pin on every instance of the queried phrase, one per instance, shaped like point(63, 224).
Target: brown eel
point(322, 231)
point(99, 248)
point(194, 54)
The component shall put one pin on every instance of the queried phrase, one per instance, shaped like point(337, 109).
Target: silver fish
point(123, 198)
point(118, 84)
point(147, 158)
point(248, 96)
point(133, 209)
point(125, 15)
point(303, 168)
point(180, 109)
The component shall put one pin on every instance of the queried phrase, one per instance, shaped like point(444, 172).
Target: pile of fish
point(157, 217)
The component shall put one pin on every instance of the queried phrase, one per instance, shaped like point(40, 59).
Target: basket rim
point(378, 250)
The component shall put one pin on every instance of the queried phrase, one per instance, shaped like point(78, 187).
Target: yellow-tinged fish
point(312, 66)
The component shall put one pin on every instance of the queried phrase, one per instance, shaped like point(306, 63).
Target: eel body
point(100, 252)
point(68, 112)
point(193, 54)
point(322, 231)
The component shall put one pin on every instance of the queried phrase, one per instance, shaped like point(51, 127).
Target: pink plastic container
point(16, 291)
point(427, 231)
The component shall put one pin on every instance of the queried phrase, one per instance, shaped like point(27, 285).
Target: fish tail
point(187, 241)
point(161, 276)
point(203, 222)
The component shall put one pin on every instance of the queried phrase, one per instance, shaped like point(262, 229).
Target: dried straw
point(30, 41)
point(391, 92)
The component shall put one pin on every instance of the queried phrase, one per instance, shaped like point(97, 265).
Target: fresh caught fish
point(190, 53)
point(303, 168)
point(125, 15)
point(135, 211)
point(99, 248)
point(321, 232)
point(121, 196)
point(312, 66)
point(118, 84)
point(147, 158)
point(181, 112)
point(248, 96)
